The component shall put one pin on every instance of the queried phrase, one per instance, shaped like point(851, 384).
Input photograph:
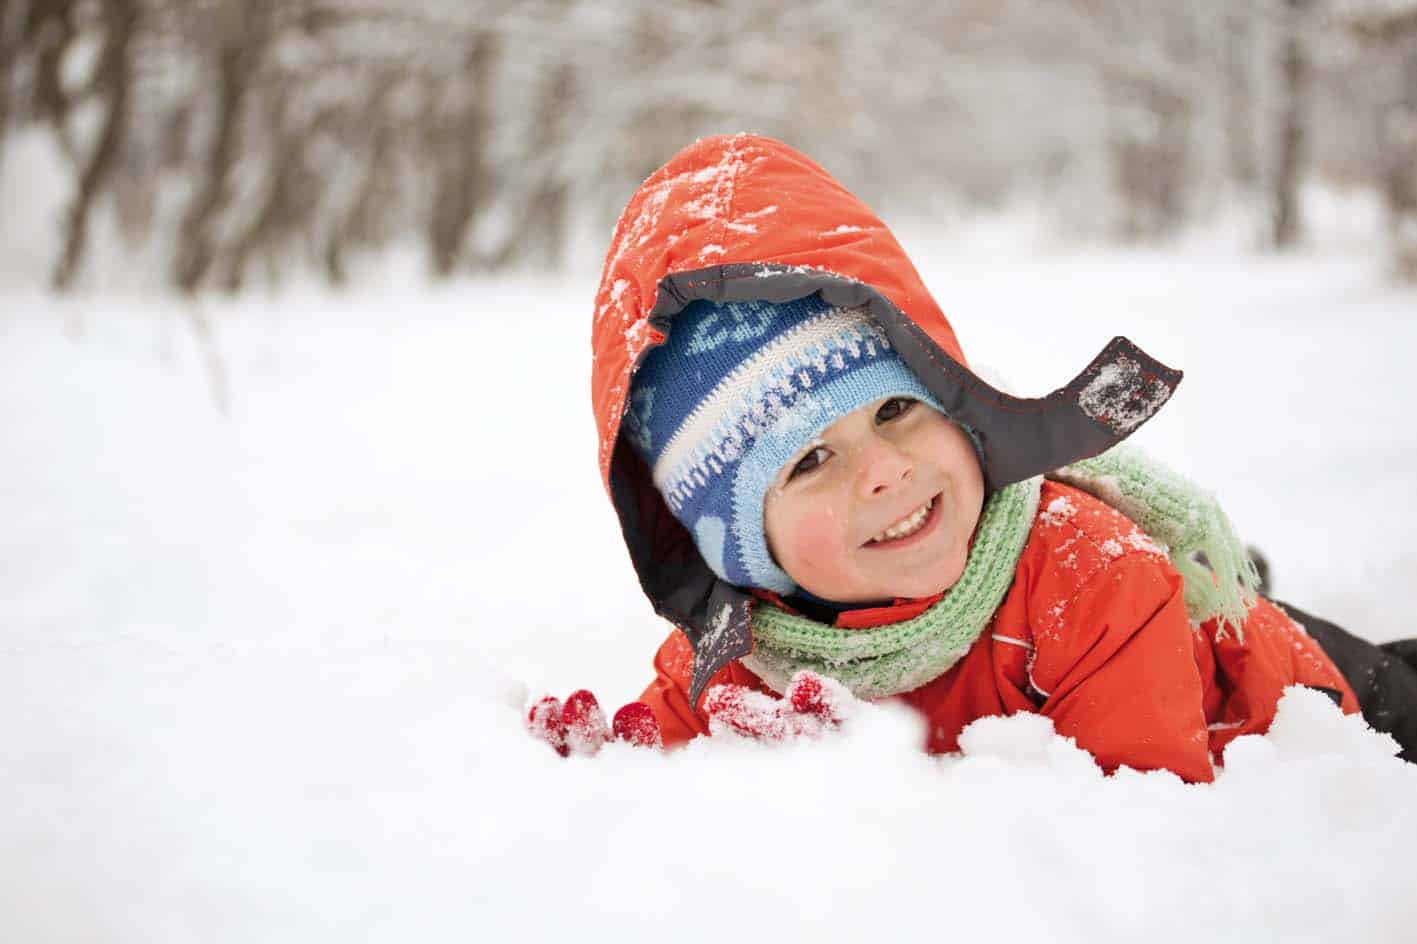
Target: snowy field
point(270, 604)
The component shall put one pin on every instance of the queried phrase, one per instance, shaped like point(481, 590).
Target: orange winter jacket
point(1092, 633)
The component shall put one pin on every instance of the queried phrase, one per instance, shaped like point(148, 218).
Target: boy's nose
point(884, 468)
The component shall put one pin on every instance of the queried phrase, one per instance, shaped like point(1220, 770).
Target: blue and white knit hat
point(738, 390)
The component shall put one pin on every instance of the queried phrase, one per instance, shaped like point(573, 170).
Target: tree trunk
point(9, 47)
point(48, 29)
point(362, 221)
point(546, 217)
point(239, 55)
point(1239, 99)
point(1400, 178)
point(1149, 140)
point(462, 179)
point(113, 79)
point(1286, 223)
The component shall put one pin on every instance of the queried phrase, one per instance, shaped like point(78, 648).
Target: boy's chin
point(916, 591)
point(908, 583)
point(888, 590)
point(932, 583)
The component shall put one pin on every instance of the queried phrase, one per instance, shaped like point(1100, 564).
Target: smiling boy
point(808, 476)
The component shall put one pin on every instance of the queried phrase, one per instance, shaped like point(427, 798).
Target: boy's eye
point(809, 462)
point(894, 407)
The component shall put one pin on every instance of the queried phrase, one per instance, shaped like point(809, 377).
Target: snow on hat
point(737, 391)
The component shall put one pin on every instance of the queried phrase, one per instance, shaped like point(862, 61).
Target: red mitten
point(812, 704)
point(586, 729)
point(634, 724)
point(579, 725)
point(544, 722)
point(744, 711)
point(823, 698)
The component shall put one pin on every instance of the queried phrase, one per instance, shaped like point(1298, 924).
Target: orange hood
point(742, 217)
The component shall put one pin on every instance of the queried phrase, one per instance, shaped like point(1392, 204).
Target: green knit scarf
point(901, 656)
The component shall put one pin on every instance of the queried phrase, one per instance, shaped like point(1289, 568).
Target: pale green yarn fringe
point(899, 657)
point(1185, 519)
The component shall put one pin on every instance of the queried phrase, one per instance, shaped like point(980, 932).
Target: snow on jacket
point(1098, 641)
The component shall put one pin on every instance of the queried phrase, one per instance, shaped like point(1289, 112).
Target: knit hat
point(738, 390)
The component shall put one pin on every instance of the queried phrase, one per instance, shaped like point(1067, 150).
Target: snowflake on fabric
point(1059, 511)
point(1139, 540)
point(613, 298)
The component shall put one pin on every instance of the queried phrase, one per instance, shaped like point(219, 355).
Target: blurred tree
point(11, 20)
point(1389, 34)
point(236, 137)
point(458, 136)
point(48, 31)
point(1240, 38)
point(234, 38)
point(368, 206)
point(546, 212)
point(1293, 129)
point(110, 83)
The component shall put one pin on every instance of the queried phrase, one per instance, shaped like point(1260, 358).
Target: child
point(809, 479)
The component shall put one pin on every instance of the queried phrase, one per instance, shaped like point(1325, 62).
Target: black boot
point(1383, 677)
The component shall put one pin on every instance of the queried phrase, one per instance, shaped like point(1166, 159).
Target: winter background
point(300, 502)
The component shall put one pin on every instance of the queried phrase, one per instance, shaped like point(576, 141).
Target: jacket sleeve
point(1115, 665)
point(668, 695)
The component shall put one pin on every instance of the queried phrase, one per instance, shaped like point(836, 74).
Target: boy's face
point(881, 505)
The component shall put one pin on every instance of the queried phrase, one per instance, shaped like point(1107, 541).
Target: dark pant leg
point(1383, 677)
point(1404, 649)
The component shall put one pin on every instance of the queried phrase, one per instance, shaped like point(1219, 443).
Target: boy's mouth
point(916, 522)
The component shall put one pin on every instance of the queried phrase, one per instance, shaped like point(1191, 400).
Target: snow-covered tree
point(1387, 31)
point(242, 138)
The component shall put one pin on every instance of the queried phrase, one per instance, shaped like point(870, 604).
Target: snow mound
point(859, 832)
point(1003, 745)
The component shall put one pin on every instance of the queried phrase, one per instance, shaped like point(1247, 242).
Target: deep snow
point(261, 671)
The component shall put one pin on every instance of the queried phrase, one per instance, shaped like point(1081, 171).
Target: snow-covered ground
point(270, 604)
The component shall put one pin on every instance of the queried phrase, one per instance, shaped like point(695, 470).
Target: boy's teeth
point(907, 525)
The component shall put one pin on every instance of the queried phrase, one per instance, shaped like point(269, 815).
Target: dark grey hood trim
point(1019, 438)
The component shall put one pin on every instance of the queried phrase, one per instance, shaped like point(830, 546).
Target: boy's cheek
point(816, 537)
